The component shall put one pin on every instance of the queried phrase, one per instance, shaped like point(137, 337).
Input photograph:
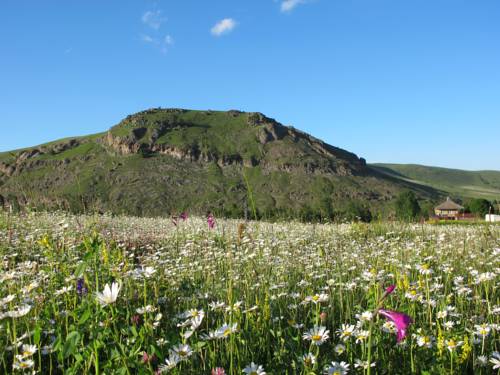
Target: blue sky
point(391, 80)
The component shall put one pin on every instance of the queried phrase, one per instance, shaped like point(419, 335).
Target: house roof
point(449, 205)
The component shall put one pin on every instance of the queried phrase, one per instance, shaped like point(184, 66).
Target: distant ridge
point(473, 184)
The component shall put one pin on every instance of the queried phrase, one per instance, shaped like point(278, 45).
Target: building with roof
point(448, 209)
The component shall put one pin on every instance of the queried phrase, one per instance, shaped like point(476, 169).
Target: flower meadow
point(120, 295)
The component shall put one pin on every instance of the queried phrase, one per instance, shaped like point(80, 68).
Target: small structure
point(492, 218)
point(448, 210)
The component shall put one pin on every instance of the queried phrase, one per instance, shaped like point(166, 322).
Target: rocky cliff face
point(31, 158)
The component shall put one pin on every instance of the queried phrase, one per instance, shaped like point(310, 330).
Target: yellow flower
point(466, 350)
point(44, 242)
point(440, 344)
point(104, 254)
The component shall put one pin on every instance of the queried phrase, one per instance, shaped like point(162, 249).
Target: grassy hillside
point(162, 161)
point(474, 184)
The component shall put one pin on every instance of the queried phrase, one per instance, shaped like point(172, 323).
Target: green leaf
point(115, 354)
point(200, 344)
point(85, 316)
point(36, 335)
point(57, 344)
point(134, 331)
point(80, 269)
point(70, 344)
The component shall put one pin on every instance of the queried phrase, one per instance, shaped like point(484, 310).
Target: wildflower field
point(119, 295)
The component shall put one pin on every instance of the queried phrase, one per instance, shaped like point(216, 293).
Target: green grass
point(74, 152)
point(217, 133)
point(6, 157)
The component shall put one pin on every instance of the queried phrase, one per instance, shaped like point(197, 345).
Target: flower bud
point(322, 316)
point(390, 289)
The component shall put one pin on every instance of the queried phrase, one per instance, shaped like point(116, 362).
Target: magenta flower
point(389, 289)
point(402, 321)
point(211, 221)
point(183, 216)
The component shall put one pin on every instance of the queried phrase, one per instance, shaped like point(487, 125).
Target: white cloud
point(147, 39)
point(223, 27)
point(168, 40)
point(153, 19)
point(289, 5)
point(162, 44)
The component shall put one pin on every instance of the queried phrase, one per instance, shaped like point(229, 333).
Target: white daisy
point(109, 295)
point(317, 335)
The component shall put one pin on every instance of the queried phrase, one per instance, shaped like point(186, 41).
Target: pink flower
point(146, 358)
point(183, 216)
point(218, 371)
point(211, 221)
point(389, 289)
point(402, 321)
point(135, 319)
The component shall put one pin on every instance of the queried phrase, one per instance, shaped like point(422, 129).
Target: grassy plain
point(293, 298)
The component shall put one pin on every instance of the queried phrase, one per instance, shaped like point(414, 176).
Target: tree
point(326, 208)
point(426, 209)
point(357, 212)
point(496, 206)
point(407, 207)
point(479, 206)
point(307, 214)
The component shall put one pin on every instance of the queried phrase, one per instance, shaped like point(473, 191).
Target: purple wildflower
point(81, 289)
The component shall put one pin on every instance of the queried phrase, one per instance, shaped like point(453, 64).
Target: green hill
point(162, 161)
point(466, 184)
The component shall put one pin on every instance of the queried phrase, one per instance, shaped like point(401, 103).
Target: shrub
point(479, 206)
point(407, 207)
point(357, 212)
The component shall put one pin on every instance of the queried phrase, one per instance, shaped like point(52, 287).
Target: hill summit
point(227, 138)
point(161, 161)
